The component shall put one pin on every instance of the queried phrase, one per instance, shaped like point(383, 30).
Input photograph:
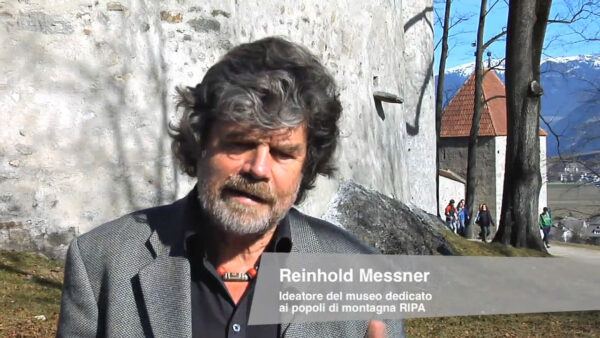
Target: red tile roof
point(458, 115)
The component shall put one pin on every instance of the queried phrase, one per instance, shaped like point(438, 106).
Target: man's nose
point(258, 165)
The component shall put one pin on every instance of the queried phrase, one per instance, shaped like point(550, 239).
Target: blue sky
point(561, 39)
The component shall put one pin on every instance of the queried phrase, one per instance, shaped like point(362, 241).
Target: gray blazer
point(130, 277)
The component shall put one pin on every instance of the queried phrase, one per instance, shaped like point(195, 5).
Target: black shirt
point(485, 218)
point(214, 313)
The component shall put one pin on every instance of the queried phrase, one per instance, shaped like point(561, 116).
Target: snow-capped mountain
point(571, 101)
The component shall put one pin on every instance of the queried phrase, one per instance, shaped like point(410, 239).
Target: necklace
point(237, 276)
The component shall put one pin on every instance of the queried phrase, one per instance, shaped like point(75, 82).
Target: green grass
point(30, 286)
point(557, 324)
point(477, 248)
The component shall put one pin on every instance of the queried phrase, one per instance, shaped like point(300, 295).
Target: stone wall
point(453, 155)
point(87, 88)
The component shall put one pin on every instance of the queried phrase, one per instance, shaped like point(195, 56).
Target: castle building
point(491, 148)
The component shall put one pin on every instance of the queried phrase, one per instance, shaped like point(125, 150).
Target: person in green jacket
point(546, 225)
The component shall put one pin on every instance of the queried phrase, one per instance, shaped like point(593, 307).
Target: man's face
point(248, 178)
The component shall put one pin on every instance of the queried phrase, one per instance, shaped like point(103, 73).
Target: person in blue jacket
point(463, 216)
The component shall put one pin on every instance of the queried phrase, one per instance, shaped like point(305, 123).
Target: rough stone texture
point(115, 6)
point(87, 92)
point(43, 23)
point(387, 224)
point(36, 235)
point(204, 25)
point(171, 17)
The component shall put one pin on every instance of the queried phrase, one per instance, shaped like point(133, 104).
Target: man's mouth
point(243, 194)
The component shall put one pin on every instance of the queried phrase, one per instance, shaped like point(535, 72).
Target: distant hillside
point(571, 101)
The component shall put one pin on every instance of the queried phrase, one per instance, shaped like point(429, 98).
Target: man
point(546, 224)
point(450, 213)
point(255, 132)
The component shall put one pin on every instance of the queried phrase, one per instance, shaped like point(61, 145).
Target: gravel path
point(580, 254)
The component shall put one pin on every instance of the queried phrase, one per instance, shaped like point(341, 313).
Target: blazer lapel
point(166, 290)
point(165, 282)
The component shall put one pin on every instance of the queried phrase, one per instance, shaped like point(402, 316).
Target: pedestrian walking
point(546, 224)
point(484, 220)
point(462, 212)
point(450, 213)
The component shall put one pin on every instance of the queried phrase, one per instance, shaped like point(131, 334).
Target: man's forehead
point(234, 130)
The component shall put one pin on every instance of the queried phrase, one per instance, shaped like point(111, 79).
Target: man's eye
point(238, 146)
point(282, 154)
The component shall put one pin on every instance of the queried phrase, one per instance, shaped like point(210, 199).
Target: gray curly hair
point(268, 84)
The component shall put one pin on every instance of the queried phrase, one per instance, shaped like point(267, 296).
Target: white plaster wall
point(543, 199)
point(450, 189)
point(500, 151)
point(419, 100)
point(87, 92)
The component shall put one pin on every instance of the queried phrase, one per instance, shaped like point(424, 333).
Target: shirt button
point(236, 328)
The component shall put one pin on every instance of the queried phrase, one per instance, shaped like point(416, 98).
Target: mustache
point(261, 190)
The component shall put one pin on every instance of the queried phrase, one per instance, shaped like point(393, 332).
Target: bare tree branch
point(452, 25)
point(560, 155)
point(575, 17)
point(494, 38)
point(554, 134)
point(491, 7)
point(493, 98)
point(586, 13)
point(497, 66)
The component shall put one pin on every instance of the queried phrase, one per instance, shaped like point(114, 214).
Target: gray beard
point(234, 218)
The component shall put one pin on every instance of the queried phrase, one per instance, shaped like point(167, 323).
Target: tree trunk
point(527, 22)
point(439, 100)
point(477, 106)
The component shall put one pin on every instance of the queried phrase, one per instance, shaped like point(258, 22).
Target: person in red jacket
point(450, 214)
